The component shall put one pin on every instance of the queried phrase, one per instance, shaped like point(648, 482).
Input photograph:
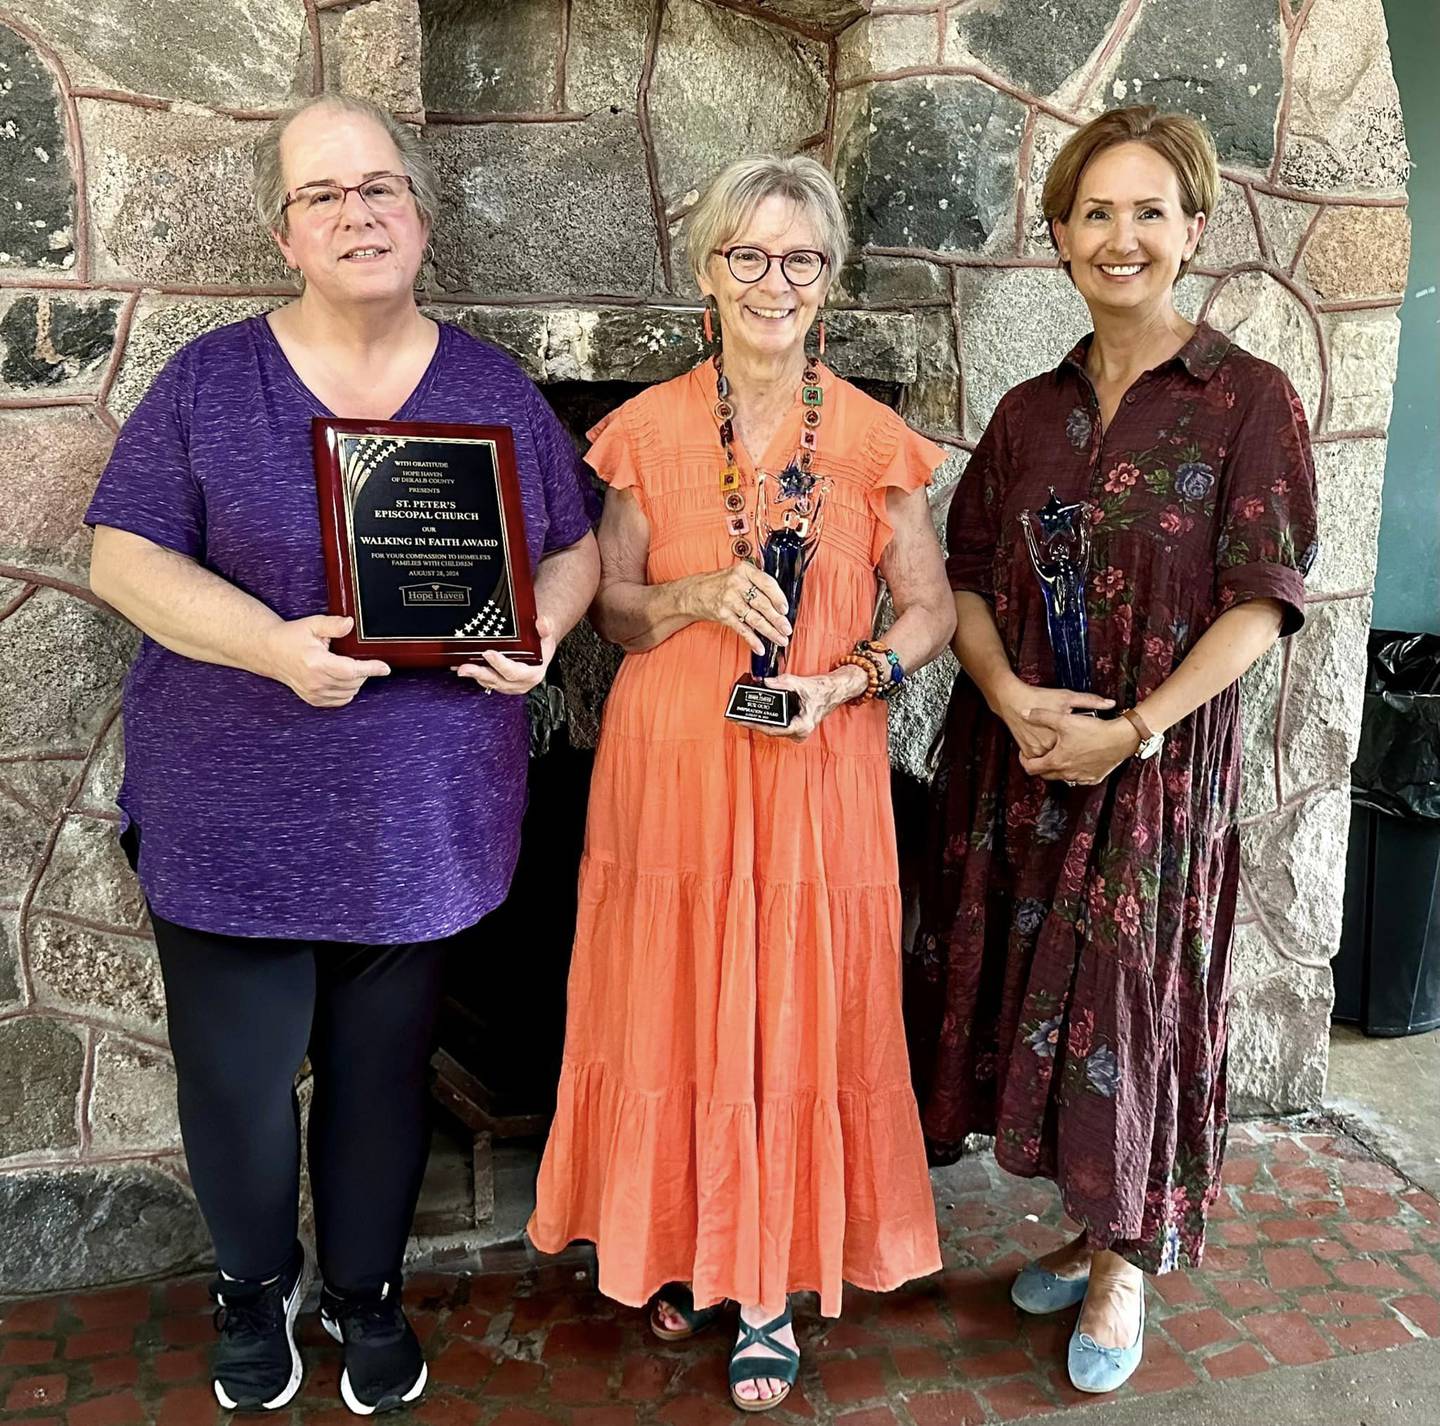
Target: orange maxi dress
point(734, 1106)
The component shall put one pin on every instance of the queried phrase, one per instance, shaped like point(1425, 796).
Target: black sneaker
point(256, 1365)
point(384, 1367)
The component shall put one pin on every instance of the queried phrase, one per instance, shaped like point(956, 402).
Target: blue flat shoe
point(1095, 1368)
point(1038, 1290)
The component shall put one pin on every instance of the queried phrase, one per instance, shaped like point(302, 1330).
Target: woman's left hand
point(501, 675)
point(1086, 751)
point(818, 696)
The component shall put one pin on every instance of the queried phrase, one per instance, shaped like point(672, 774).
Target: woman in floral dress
point(1067, 989)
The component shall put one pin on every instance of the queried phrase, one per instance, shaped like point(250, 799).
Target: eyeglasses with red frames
point(748, 264)
point(380, 193)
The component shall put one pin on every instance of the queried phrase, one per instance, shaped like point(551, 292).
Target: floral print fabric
point(1067, 987)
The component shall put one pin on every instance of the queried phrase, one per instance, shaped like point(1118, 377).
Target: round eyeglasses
point(748, 264)
point(380, 193)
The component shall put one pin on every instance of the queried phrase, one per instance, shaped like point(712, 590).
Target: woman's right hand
point(1015, 699)
point(744, 599)
point(298, 655)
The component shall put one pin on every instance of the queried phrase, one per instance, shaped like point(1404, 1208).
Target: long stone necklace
point(796, 481)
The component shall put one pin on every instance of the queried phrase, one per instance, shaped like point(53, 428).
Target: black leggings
point(244, 1011)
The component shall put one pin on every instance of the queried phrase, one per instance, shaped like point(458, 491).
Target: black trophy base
point(759, 706)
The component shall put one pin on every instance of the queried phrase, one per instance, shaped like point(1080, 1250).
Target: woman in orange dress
point(735, 1118)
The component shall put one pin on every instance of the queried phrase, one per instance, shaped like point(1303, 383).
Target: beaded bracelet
point(887, 665)
point(882, 670)
point(872, 676)
point(876, 660)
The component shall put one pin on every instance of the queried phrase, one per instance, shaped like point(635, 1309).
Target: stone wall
point(570, 136)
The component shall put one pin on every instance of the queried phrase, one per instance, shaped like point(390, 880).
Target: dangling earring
point(819, 341)
point(706, 322)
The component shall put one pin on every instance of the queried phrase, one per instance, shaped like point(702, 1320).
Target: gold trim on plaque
point(357, 472)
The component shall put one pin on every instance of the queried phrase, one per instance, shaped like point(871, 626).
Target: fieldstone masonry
point(571, 136)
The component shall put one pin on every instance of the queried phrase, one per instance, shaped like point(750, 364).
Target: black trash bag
point(1404, 663)
point(1397, 770)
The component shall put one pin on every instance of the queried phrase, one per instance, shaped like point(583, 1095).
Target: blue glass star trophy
point(1058, 538)
point(787, 535)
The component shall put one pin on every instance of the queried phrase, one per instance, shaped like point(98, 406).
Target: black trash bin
point(1387, 972)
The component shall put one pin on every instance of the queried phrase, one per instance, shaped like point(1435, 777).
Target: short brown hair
point(1184, 143)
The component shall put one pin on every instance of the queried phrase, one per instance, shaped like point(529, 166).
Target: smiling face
point(347, 251)
point(769, 318)
point(1127, 233)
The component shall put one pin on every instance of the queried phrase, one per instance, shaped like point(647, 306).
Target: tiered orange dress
point(735, 1107)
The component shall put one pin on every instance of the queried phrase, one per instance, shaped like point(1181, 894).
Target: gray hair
point(735, 192)
point(269, 180)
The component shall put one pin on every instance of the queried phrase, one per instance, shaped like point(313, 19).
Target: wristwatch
point(1150, 743)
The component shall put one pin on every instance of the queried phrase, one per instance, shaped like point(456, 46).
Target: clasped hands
point(1059, 743)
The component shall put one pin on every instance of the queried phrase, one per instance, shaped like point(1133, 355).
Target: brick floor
point(1319, 1251)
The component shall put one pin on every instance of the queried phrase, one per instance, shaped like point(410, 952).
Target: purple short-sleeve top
point(393, 819)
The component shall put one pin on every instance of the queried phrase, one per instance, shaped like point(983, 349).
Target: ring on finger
point(751, 590)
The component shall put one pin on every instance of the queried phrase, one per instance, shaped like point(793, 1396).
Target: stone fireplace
point(571, 136)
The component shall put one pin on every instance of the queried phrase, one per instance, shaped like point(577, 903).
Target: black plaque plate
point(754, 703)
point(425, 541)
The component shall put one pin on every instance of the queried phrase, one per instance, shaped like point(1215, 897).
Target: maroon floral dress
point(1067, 987)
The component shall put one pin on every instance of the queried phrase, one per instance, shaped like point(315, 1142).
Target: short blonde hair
point(1184, 143)
point(732, 196)
point(269, 178)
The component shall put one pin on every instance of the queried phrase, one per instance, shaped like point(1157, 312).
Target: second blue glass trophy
point(1058, 538)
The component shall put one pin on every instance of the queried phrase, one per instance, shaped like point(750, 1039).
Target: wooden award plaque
point(424, 541)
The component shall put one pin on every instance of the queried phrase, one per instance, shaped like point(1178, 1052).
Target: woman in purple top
point(309, 827)
point(1067, 991)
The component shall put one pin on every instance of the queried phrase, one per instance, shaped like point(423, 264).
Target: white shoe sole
point(297, 1370)
point(347, 1393)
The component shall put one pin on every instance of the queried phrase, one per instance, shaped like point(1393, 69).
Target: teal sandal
point(681, 1301)
point(783, 1365)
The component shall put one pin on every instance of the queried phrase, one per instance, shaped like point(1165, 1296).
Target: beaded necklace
point(796, 480)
